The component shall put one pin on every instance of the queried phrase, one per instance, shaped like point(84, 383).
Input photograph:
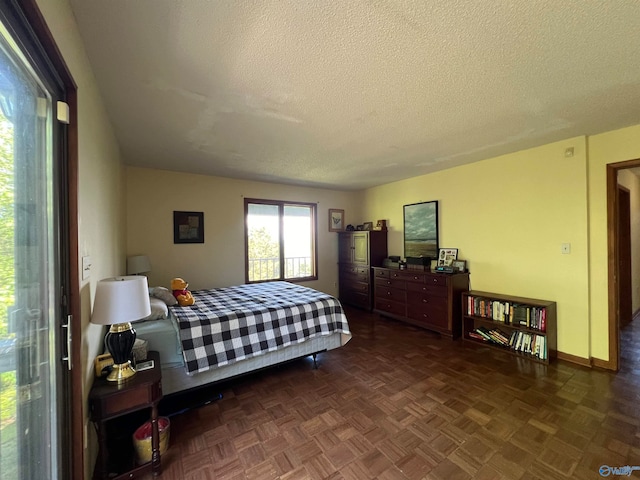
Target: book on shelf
point(477, 336)
point(531, 344)
point(493, 335)
point(507, 312)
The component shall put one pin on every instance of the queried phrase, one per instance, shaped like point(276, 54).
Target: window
point(280, 240)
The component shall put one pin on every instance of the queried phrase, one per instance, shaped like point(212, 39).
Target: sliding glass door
point(32, 375)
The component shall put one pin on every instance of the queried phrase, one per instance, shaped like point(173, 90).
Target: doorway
point(620, 280)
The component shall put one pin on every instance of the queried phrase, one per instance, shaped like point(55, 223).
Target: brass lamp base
point(121, 372)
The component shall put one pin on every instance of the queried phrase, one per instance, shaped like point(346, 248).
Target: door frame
point(33, 17)
point(612, 260)
point(625, 272)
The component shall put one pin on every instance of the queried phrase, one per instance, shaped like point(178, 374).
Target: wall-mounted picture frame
point(336, 220)
point(446, 256)
point(421, 229)
point(188, 227)
point(367, 226)
point(459, 265)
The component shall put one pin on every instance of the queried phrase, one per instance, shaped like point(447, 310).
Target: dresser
point(425, 299)
point(357, 252)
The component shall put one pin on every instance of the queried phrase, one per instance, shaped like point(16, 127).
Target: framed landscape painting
point(421, 230)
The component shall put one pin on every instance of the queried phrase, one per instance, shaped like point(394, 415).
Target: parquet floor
point(398, 402)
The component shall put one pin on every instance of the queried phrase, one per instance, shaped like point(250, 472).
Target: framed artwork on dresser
point(447, 256)
point(421, 230)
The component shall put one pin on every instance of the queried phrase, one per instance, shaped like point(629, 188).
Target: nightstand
point(110, 402)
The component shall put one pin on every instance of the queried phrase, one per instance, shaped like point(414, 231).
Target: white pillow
point(163, 294)
point(159, 309)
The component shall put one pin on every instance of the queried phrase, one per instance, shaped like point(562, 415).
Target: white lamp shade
point(121, 300)
point(138, 264)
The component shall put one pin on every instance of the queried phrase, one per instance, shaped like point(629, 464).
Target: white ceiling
point(350, 94)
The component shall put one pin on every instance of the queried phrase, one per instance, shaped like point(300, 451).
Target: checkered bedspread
point(230, 324)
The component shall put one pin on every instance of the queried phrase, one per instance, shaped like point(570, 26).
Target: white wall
point(101, 223)
point(153, 195)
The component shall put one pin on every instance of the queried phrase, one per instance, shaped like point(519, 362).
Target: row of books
point(508, 312)
point(519, 341)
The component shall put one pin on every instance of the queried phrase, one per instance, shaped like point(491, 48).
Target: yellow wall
point(100, 220)
point(632, 183)
point(509, 216)
point(610, 147)
point(153, 195)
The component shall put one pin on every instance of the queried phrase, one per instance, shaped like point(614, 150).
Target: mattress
point(243, 328)
point(231, 324)
point(175, 378)
point(163, 337)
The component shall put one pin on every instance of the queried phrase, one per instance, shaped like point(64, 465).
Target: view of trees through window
point(280, 240)
point(7, 338)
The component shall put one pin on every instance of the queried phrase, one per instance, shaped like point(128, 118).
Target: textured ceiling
point(350, 94)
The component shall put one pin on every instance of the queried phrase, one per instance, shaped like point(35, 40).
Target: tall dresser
point(358, 252)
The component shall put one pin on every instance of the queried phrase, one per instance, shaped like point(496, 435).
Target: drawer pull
point(388, 293)
point(424, 300)
point(416, 278)
point(435, 280)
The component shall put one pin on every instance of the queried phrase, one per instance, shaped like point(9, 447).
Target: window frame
point(281, 204)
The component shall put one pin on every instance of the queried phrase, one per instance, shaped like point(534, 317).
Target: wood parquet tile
point(401, 403)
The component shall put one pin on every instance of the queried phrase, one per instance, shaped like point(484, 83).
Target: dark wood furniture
point(358, 251)
point(472, 319)
point(425, 299)
point(108, 401)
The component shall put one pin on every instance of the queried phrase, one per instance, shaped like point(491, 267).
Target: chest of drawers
point(425, 299)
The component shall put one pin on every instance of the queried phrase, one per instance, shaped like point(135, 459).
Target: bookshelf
point(525, 327)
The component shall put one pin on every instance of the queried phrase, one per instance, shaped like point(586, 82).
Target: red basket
point(142, 439)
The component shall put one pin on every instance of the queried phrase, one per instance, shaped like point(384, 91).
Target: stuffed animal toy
point(179, 288)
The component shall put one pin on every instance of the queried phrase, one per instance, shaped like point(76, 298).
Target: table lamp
point(120, 301)
point(138, 264)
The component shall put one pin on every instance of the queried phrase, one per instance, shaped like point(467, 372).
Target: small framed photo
point(446, 256)
point(367, 226)
point(460, 265)
point(381, 225)
point(188, 227)
point(336, 220)
point(359, 227)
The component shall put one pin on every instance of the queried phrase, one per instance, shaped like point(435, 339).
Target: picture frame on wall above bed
point(421, 229)
point(188, 227)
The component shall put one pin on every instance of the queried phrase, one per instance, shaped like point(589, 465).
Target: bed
point(236, 330)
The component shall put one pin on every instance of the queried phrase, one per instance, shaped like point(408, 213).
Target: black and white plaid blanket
point(230, 324)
